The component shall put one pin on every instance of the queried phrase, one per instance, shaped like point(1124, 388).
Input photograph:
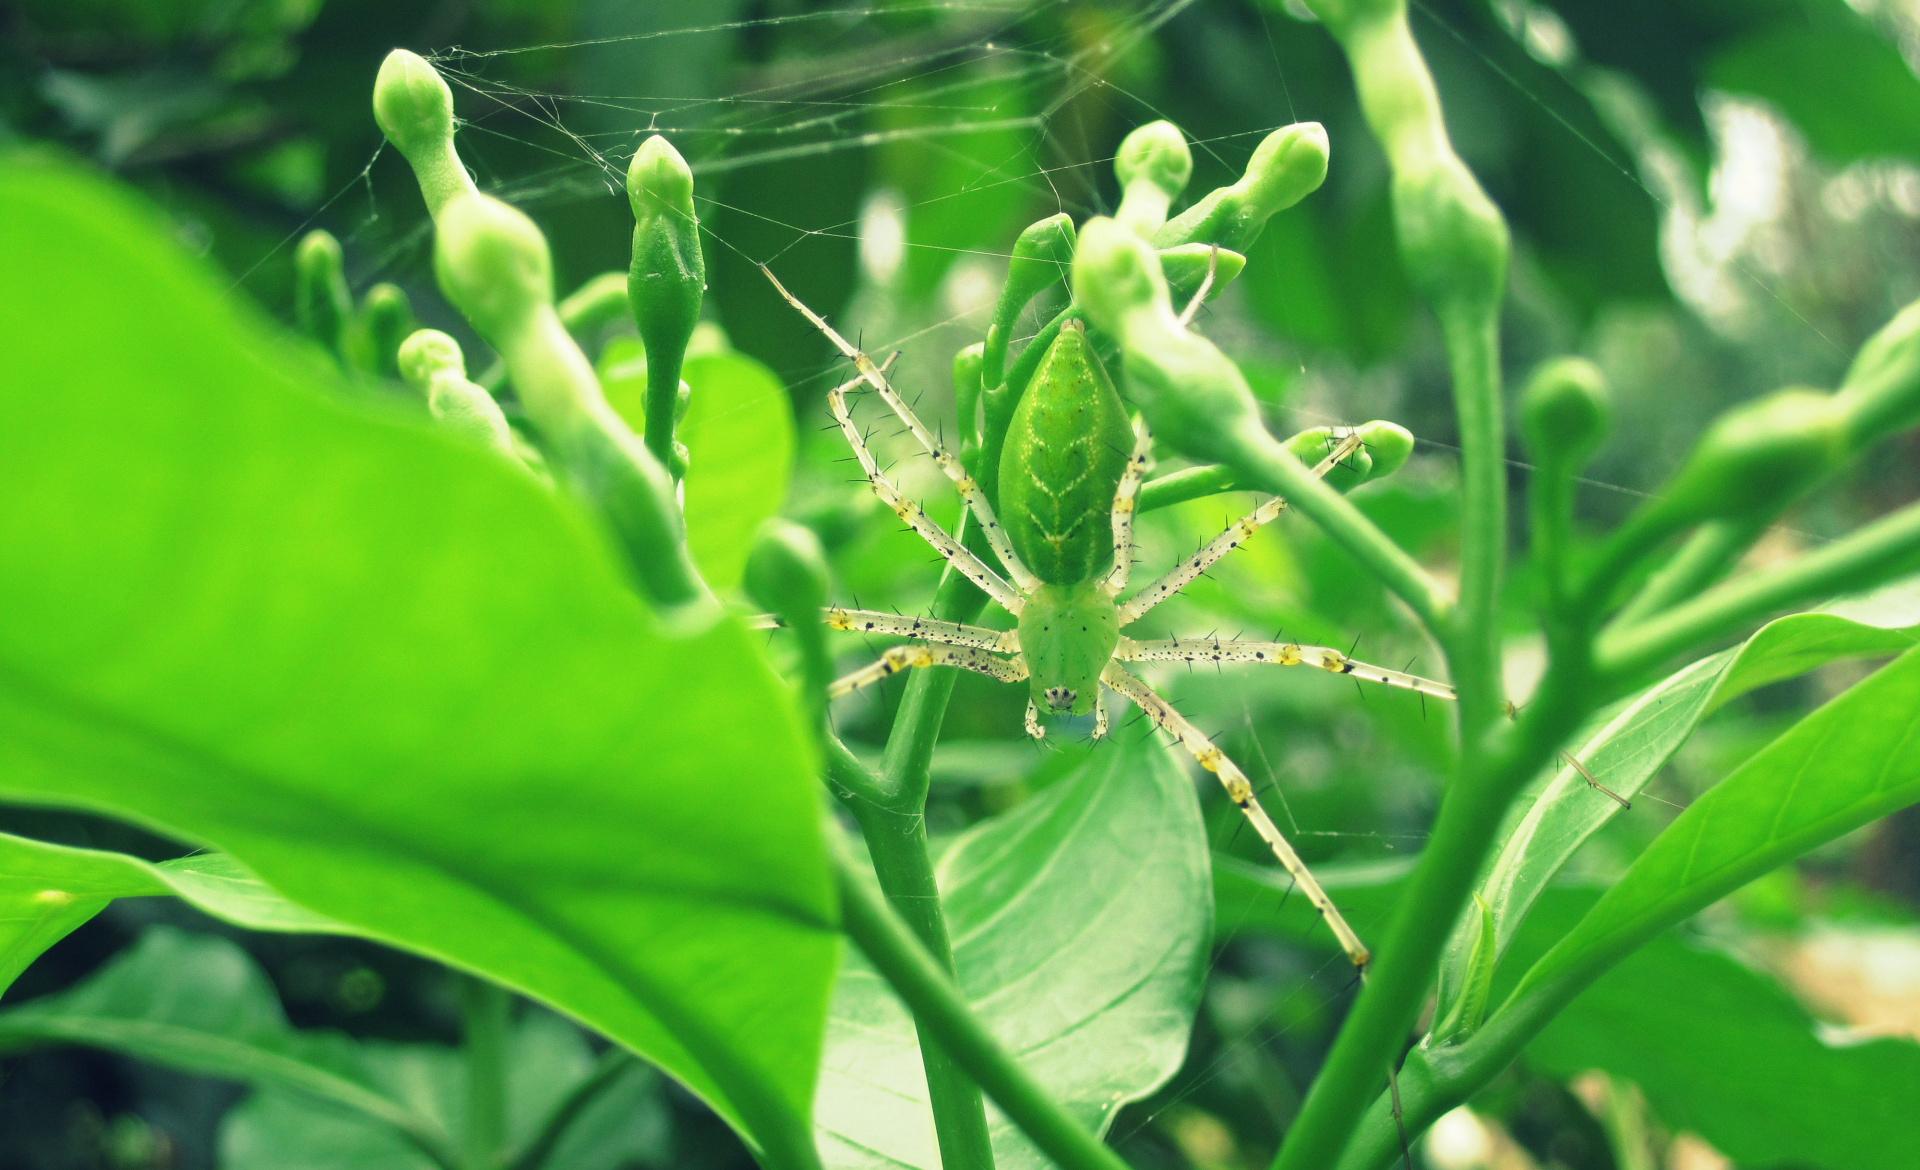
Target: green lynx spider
point(1067, 464)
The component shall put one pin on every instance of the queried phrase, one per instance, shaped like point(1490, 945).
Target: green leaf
point(396, 679)
point(1843, 83)
point(1631, 745)
point(276, 1129)
point(1739, 1063)
point(46, 891)
point(1080, 925)
point(198, 1003)
point(1855, 759)
point(739, 437)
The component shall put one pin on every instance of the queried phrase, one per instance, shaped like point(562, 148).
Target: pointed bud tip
point(411, 102)
point(659, 175)
point(425, 353)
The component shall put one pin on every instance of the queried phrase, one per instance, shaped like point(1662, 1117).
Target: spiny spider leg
point(1275, 654)
point(1240, 791)
point(969, 488)
point(867, 621)
point(899, 658)
point(1123, 509)
point(915, 516)
point(1187, 571)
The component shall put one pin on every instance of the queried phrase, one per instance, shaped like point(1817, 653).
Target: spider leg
point(1101, 723)
point(1217, 650)
point(899, 658)
point(868, 621)
point(976, 500)
point(1123, 510)
point(1034, 727)
point(1240, 791)
point(916, 517)
point(1187, 571)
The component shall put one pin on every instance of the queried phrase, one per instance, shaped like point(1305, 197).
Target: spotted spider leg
point(969, 488)
point(867, 621)
point(1240, 791)
point(921, 654)
point(1187, 571)
point(1218, 650)
point(916, 517)
point(1124, 501)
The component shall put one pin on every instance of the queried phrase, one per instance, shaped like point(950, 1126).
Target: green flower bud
point(1452, 238)
point(426, 353)
point(1186, 268)
point(1153, 166)
point(1388, 444)
point(1565, 412)
point(1881, 392)
point(1286, 167)
point(386, 318)
point(667, 279)
point(431, 362)
point(786, 572)
point(321, 303)
point(492, 263)
point(1115, 273)
point(594, 305)
point(966, 393)
point(414, 108)
point(1039, 260)
point(1313, 445)
point(1193, 397)
point(1757, 458)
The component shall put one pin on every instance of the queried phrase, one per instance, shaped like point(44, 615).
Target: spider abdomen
point(1066, 450)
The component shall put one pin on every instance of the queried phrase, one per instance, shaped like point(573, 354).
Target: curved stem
point(612, 1065)
point(484, 1008)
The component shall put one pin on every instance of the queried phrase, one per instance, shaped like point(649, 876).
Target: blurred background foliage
point(1709, 198)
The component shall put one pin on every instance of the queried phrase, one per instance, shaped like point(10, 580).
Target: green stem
point(1191, 484)
point(1864, 558)
point(891, 811)
point(1702, 560)
point(1490, 774)
point(1473, 345)
point(484, 1009)
point(939, 1010)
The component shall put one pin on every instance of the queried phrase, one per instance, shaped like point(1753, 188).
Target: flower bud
point(1286, 167)
point(966, 393)
point(1313, 445)
point(1881, 392)
point(1565, 413)
point(1452, 238)
point(667, 280)
point(321, 303)
point(786, 572)
point(426, 353)
point(386, 318)
point(1388, 444)
point(492, 263)
point(1116, 273)
point(414, 108)
point(1153, 165)
point(1758, 457)
point(431, 362)
point(1186, 268)
point(1040, 259)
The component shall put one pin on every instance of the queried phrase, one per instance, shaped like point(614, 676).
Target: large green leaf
point(1633, 743)
point(1080, 925)
point(1855, 759)
point(1723, 1051)
point(46, 891)
point(403, 684)
point(739, 437)
point(198, 1003)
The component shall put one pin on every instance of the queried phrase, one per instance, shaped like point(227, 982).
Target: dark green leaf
point(399, 681)
point(1080, 925)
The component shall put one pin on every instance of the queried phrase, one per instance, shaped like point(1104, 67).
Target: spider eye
point(1060, 698)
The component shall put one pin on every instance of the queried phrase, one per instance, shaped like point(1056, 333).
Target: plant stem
point(891, 812)
point(938, 1008)
point(484, 1009)
point(1473, 346)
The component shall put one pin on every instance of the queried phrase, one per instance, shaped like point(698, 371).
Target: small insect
point(1069, 477)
